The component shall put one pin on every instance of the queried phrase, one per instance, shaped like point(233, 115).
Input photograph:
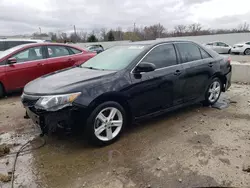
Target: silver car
point(219, 47)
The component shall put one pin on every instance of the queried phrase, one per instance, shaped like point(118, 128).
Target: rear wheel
point(213, 92)
point(247, 51)
point(105, 124)
point(1, 91)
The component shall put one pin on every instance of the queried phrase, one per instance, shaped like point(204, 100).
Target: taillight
point(229, 60)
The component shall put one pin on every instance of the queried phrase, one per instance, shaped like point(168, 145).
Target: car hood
point(65, 81)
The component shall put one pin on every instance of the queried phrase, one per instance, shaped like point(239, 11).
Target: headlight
point(56, 102)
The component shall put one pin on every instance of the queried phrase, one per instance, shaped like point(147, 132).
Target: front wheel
point(213, 92)
point(105, 124)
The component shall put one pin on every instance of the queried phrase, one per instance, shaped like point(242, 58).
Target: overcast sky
point(26, 16)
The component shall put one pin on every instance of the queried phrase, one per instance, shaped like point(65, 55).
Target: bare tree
point(63, 36)
point(243, 27)
point(83, 36)
point(179, 30)
point(103, 33)
point(119, 34)
point(194, 28)
point(154, 31)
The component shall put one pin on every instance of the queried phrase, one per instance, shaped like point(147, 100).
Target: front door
point(198, 66)
point(159, 89)
point(29, 66)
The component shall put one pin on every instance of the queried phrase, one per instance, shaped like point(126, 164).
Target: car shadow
point(76, 141)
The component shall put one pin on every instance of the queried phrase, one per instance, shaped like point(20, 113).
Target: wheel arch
point(113, 96)
point(222, 78)
point(246, 50)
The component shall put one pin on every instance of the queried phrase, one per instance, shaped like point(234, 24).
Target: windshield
point(7, 52)
point(115, 58)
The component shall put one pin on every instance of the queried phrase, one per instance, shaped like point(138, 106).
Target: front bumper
point(67, 118)
point(50, 121)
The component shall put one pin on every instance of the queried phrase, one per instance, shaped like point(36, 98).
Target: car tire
point(1, 91)
point(101, 129)
point(247, 51)
point(229, 51)
point(213, 92)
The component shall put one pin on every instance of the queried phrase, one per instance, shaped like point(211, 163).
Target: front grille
point(29, 100)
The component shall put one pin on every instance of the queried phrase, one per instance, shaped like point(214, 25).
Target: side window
point(189, 52)
point(75, 51)
point(2, 47)
point(248, 43)
point(58, 51)
point(204, 54)
point(2, 62)
point(221, 44)
point(162, 56)
point(30, 54)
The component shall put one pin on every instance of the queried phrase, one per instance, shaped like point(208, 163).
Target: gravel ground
point(191, 147)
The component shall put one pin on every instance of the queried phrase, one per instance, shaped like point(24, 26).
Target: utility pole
point(75, 33)
point(134, 32)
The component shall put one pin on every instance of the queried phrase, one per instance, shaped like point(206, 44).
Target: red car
point(21, 64)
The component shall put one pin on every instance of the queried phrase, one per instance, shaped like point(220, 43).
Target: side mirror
point(11, 61)
point(145, 67)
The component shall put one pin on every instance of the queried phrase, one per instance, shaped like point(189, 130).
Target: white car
point(219, 47)
point(241, 48)
point(5, 44)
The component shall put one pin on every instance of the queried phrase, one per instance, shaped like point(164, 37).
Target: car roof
point(156, 42)
point(47, 44)
point(30, 40)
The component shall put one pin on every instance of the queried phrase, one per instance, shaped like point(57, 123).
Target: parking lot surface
point(192, 147)
point(240, 58)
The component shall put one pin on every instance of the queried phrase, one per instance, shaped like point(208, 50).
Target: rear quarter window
point(75, 51)
point(204, 54)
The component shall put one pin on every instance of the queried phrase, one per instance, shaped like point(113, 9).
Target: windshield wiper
point(92, 68)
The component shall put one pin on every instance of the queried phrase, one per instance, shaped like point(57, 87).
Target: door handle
point(177, 72)
point(210, 64)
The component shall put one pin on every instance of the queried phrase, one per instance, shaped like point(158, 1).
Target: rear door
point(161, 88)
point(29, 66)
point(59, 57)
point(198, 65)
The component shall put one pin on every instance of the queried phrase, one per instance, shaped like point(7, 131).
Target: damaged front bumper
point(50, 121)
point(67, 118)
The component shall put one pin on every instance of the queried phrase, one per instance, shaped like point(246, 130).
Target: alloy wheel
point(108, 124)
point(214, 91)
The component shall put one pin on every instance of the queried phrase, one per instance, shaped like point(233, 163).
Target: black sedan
point(124, 84)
